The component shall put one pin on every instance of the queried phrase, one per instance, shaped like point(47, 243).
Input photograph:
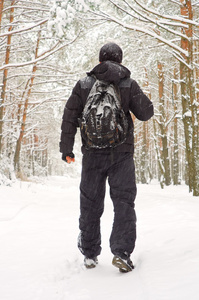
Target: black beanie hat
point(111, 51)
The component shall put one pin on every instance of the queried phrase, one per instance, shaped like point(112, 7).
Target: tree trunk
point(145, 172)
point(176, 180)
point(27, 93)
point(196, 50)
point(143, 163)
point(5, 72)
point(190, 118)
point(159, 159)
point(162, 126)
point(1, 9)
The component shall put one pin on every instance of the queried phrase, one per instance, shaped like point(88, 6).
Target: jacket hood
point(110, 71)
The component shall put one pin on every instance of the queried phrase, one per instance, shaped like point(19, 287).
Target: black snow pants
point(120, 171)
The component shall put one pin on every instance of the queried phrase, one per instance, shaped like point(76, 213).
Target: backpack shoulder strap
point(87, 82)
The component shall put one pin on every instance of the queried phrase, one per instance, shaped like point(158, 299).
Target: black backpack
point(103, 123)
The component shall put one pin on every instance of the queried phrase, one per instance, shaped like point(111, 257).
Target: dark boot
point(124, 265)
point(90, 263)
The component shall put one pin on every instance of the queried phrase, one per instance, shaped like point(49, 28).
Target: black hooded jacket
point(132, 99)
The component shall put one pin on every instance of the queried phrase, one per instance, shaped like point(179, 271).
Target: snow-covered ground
point(39, 259)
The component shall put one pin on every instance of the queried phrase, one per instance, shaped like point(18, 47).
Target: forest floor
point(39, 259)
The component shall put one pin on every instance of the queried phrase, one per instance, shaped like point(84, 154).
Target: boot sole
point(119, 263)
point(90, 266)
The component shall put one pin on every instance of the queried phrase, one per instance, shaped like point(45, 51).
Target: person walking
point(114, 163)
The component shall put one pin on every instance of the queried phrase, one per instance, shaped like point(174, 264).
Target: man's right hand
point(68, 157)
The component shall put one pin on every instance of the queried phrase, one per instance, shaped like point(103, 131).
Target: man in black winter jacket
point(116, 163)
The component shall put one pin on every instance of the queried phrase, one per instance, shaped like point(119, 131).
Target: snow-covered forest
point(47, 45)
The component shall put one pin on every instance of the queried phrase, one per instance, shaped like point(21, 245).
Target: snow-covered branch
point(26, 7)
point(144, 30)
point(177, 19)
point(34, 61)
point(143, 18)
point(171, 119)
point(23, 29)
point(176, 2)
point(159, 23)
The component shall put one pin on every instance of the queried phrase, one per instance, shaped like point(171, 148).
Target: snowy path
point(39, 259)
